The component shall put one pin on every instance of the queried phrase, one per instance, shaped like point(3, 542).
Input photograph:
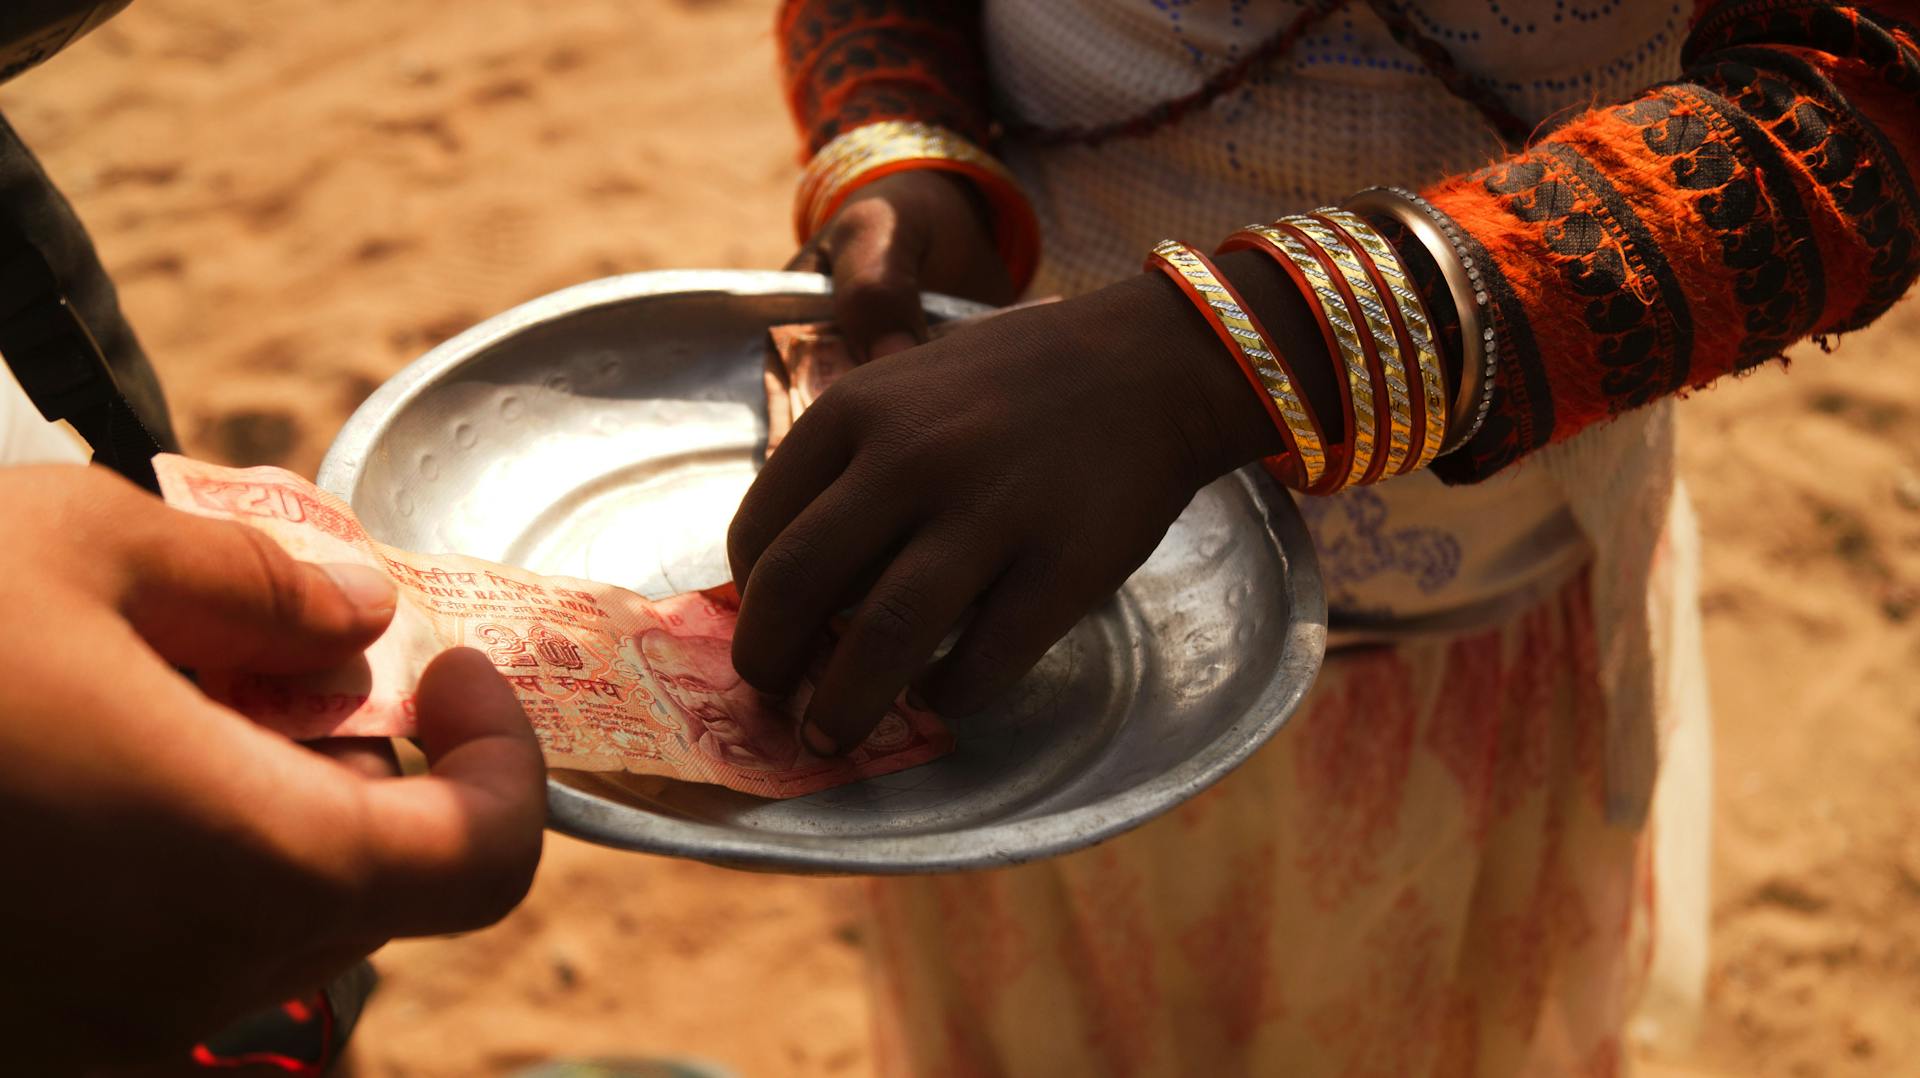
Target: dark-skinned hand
point(899, 236)
point(1021, 468)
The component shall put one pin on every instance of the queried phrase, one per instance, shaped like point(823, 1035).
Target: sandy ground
point(298, 197)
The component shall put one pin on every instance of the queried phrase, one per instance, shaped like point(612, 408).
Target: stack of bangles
point(1400, 411)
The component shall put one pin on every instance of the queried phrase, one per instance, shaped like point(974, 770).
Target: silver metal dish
point(608, 431)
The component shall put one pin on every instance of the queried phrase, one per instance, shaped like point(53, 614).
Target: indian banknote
point(611, 681)
point(802, 361)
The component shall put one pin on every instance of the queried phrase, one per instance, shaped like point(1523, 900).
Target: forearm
point(1638, 251)
point(1653, 247)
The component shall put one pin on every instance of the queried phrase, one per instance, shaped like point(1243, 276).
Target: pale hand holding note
point(610, 680)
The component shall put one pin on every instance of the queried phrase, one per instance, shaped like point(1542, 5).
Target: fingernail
point(891, 343)
point(369, 589)
point(817, 740)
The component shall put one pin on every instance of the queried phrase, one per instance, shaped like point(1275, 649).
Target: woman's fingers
point(894, 632)
point(808, 259)
point(905, 234)
point(811, 458)
point(876, 256)
point(803, 578)
point(1024, 614)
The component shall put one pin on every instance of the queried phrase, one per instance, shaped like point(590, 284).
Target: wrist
point(1231, 424)
point(1220, 416)
point(1277, 302)
point(1359, 401)
point(938, 194)
point(966, 195)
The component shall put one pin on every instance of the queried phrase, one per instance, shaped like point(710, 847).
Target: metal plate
point(608, 431)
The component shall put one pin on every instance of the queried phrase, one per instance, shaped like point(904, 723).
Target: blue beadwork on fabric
point(1356, 543)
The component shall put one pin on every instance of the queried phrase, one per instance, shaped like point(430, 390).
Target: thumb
point(218, 593)
point(455, 849)
point(877, 257)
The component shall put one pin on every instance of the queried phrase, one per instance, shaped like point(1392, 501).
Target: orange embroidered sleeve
point(846, 63)
point(1651, 247)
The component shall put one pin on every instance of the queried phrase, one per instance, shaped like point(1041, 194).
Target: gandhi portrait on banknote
point(722, 716)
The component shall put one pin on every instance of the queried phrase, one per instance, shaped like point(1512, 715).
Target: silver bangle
point(1473, 398)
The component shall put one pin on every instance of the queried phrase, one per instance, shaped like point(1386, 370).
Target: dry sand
point(298, 197)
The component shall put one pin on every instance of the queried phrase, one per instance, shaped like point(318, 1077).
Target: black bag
point(61, 330)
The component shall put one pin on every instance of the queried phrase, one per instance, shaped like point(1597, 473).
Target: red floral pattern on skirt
point(1355, 747)
point(1415, 878)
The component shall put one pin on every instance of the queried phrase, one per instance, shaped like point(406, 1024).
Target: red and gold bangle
point(873, 151)
point(1409, 313)
point(1381, 341)
point(1298, 260)
point(1305, 463)
point(1442, 239)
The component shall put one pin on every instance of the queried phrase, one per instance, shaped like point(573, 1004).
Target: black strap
point(60, 365)
point(32, 30)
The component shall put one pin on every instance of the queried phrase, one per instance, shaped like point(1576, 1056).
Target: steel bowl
point(608, 431)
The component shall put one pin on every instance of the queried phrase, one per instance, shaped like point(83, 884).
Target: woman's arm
point(1022, 468)
point(851, 66)
point(1647, 248)
point(1640, 250)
